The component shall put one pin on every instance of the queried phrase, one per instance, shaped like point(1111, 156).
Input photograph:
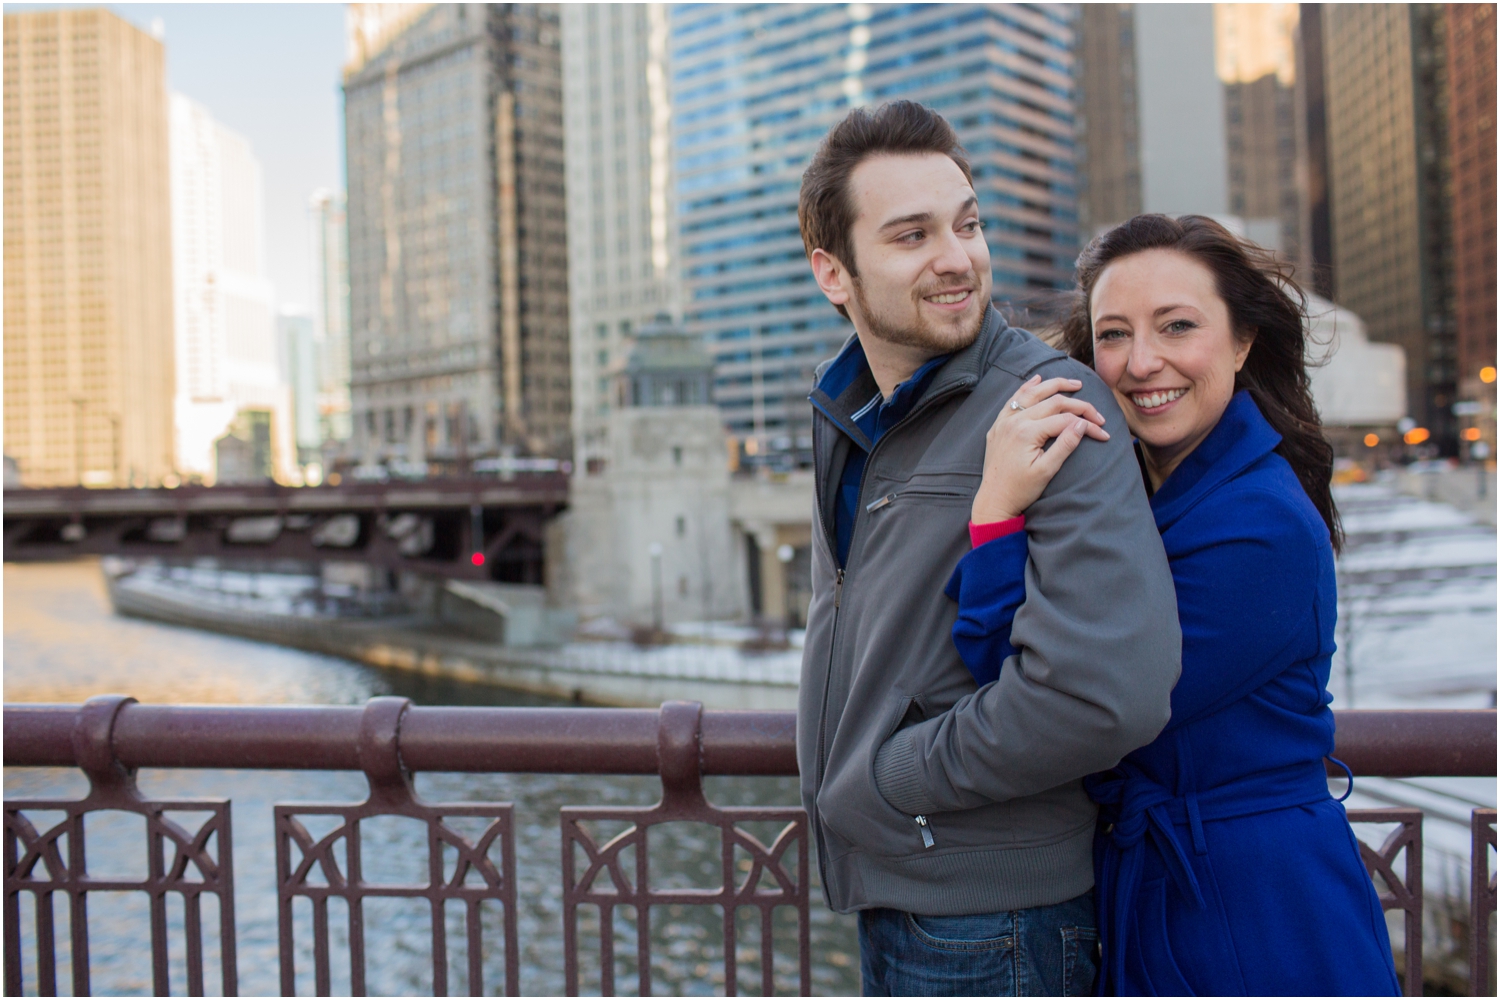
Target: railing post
point(380, 752)
point(93, 742)
point(679, 754)
point(109, 784)
point(1481, 900)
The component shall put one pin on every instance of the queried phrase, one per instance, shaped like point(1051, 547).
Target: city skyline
point(656, 178)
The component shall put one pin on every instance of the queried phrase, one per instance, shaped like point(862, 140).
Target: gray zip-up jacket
point(927, 795)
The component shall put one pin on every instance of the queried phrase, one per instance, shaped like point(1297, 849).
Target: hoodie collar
point(1241, 438)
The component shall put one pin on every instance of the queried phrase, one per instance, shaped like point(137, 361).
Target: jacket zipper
point(817, 822)
point(838, 595)
point(927, 840)
point(890, 498)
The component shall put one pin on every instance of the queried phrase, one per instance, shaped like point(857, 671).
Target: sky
point(270, 72)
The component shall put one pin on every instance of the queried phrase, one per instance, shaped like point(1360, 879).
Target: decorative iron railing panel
point(110, 737)
point(29, 852)
point(682, 800)
point(391, 794)
point(1399, 892)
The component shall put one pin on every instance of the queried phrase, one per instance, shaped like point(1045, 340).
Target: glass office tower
point(755, 87)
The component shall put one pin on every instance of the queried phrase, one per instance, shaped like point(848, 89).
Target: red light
point(477, 559)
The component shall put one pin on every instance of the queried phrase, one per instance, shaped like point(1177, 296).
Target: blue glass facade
point(755, 87)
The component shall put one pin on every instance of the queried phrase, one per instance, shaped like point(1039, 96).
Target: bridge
point(477, 528)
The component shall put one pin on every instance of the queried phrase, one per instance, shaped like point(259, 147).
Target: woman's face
point(1164, 343)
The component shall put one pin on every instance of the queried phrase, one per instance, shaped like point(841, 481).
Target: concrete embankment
point(604, 673)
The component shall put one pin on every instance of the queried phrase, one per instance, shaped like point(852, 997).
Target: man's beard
point(937, 338)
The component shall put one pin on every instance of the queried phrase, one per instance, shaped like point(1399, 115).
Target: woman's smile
point(1150, 402)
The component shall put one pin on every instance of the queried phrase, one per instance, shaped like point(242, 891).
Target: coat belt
point(1137, 813)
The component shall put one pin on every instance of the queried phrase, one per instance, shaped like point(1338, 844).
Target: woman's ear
point(1242, 349)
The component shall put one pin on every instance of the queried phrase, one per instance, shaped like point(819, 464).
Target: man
point(954, 819)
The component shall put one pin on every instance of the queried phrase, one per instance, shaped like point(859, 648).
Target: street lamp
point(785, 554)
point(656, 614)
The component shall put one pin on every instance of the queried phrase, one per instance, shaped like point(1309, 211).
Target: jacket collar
point(843, 385)
point(1241, 438)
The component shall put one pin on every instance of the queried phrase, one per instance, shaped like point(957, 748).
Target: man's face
point(924, 267)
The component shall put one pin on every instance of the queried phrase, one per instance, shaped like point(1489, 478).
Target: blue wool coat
point(1223, 865)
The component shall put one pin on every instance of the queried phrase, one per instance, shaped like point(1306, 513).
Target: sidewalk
point(1460, 486)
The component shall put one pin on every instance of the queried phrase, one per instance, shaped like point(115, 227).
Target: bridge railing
point(473, 862)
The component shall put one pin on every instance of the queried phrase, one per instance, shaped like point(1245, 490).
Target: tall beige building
point(621, 260)
point(1256, 57)
point(88, 264)
point(1388, 168)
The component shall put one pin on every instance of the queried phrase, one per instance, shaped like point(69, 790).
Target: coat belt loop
point(1195, 821)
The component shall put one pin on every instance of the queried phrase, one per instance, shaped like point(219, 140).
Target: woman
point(1223, 865)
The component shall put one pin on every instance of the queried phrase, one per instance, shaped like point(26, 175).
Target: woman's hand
point(1017, 464)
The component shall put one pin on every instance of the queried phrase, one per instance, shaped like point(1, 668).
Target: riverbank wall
point(601, 673)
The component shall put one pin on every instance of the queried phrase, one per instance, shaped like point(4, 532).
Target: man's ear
point(832, 276)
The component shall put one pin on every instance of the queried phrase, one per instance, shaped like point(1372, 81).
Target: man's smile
point(958, 296)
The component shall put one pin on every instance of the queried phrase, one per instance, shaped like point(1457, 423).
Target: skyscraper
point(1152, 137)
point(88, 265)
point(457, 233)
point(621, 259)
point(1471, 134)
point(755, 88)
point(330, 314)
point(1108, 122)
point(1316, 229)
point(1388, 160)
point(227, 357)
point(297, 347)
point(1256, 57)
point(1192, 108)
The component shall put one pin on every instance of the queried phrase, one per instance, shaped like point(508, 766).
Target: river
point(63, 644)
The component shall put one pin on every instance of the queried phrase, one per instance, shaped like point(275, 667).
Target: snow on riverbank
point(1417, 630)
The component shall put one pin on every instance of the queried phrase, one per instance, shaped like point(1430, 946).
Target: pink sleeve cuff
point(981, 533)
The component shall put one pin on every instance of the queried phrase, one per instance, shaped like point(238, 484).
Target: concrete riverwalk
point(602, 673)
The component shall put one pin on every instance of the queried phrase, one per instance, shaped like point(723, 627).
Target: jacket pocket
point(850, 802)
point(929, 495)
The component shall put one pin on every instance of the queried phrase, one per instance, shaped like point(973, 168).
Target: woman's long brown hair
point(1258, 289)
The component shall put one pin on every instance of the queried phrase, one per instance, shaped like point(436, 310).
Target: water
point(63, 644)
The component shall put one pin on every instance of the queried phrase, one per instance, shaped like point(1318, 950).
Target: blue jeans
point(1043, 951)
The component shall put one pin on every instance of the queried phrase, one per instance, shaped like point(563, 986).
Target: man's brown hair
point(824, 209)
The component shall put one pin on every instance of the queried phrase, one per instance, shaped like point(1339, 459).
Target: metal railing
point(110, 737)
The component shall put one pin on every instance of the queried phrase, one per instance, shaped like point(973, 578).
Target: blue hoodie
point(1220, 846)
